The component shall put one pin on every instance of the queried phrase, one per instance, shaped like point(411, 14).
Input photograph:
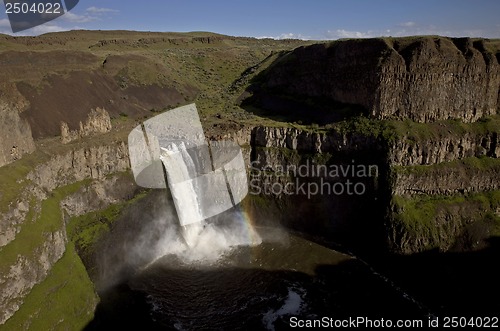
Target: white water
point(202, 242)
point(292, 306)
point(178, 164)
point(207, 243)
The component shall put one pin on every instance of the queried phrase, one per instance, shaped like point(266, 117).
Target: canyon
point(424, 110)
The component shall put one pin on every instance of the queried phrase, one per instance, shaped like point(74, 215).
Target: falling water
point(221, 273)
point(180, 168)
point(178, 165)
point(181, 176)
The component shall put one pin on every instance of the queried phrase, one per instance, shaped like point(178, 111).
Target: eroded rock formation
point(98, 121)
point(103, 166)
point(16, 139)
point(424, 79)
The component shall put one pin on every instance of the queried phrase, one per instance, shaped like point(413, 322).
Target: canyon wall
point(70, 183)
point(419, 78)
point(98, 122)
point(269, 147)
point(439, 99)
point(16, 139)
point(437, 184)
point(54, 89)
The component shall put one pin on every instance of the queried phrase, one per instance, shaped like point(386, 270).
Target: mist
point(149, 230)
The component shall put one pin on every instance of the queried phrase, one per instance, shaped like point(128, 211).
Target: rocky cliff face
point(18, 280)
point(79, 164)
point(46, 188)
point(403, 151)
point(430, 190)
point(270, 146)
point(448, 174)
point(407, 152)
point(60, 170)
point(432, 79)
point(419, 78)
point(445, 179)
point(99, 163)
point(98, 122)
point(439, 98)
point(16, 138)
point(310, 141)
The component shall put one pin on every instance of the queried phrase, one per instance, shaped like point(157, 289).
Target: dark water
point(251, 288)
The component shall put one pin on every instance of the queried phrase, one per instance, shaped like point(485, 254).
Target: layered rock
point(429, 79)
point(79, 164)
point(17, 279)
point(444, 166)
point(99, 194)
point(403, 151)
point(310, 141)
point(457, 223)
point(98, 122)
point(424, 79)
point(448, 147)
point(103, 164)
point(27, 271)
point(75, 165)
point(16, 135)
point(448, 178)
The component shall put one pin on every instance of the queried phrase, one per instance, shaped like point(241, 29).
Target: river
point(239, 277)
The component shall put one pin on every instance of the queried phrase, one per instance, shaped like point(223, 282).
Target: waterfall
point(180, 170)
point(207, 181)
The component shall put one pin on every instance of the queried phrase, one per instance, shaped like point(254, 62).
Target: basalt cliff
point(424, 110)
point(420, 79)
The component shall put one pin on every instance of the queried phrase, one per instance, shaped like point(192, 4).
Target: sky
point(313, 19)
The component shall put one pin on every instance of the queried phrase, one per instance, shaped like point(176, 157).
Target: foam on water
point(206, 243)
point(201, 242)
point(292, 306)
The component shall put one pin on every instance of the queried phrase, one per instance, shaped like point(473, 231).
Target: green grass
point(420, 210)
point(368, 127)
point(36, 227)
point(65, 300)
point(392, 131)
point(50, 298)
point(414, 131)
point(471, 163)
point(431, 222)
point(85, 230)
point(13, 177)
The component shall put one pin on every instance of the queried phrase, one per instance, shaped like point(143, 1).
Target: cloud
point(292, 36)
point(65, 22)
point(289, 35)
point(74, 18)
point(415, 30)
point(405, 29)
point(341, 33)
point(46, 28)
point(68, 21)
point(408, 24)
point(4, 23)
point(5, 26)
point(412, 28)
point(97, 10)
point(37, 30)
